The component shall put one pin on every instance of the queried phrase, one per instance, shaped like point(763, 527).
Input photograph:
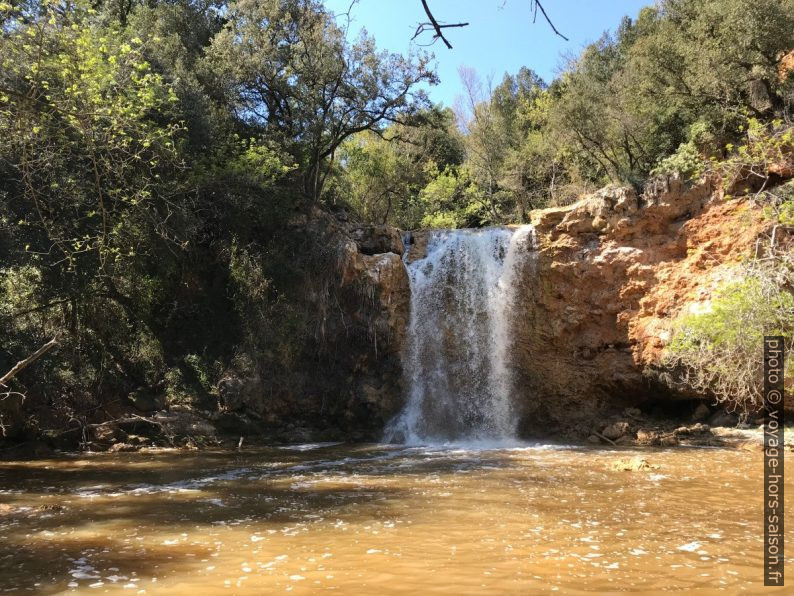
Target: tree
point(384, 174)
point(291, 72)
point(80, 143)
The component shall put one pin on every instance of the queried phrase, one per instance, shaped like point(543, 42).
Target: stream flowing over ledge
point(569, 335)
point(591, 311)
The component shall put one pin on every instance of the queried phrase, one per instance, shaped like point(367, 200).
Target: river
point(378, 519)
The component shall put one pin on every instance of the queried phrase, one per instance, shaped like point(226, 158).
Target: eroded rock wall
point(594, 311)
point(612, 272)
point(346, 381)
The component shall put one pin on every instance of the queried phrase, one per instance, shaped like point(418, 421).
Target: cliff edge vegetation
point(199, 201)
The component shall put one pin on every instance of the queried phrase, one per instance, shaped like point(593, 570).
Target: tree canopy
point(155, 158)
point(683, 79)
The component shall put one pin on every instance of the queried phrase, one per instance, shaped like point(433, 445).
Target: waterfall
point(458, 345)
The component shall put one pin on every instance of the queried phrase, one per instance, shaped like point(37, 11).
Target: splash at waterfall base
point(567, 341)
point(552, 332)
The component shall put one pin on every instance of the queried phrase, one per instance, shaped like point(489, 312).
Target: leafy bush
point(686, 161)
point(766, 148)
point(719, 350)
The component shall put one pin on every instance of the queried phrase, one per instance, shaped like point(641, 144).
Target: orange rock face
point(612, 272)
point(785, 65)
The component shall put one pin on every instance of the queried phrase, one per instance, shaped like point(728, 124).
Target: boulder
point(183, 422)
point(616, 430)
point(108, 432)
point(701, 413)
point(145, 401)
point(239, 392)
point(236, 424)
point(137, 426)
point(123, 448)
point(723, 418)
point(647, 437)
point(694, 429)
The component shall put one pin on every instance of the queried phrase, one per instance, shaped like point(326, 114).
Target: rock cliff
point(595, 308)
point(595, 305)
point(612, 272)
point(344, 381)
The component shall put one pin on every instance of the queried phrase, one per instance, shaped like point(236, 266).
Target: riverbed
point(378, 519)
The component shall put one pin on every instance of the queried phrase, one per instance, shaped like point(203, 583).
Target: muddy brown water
point(373, 519)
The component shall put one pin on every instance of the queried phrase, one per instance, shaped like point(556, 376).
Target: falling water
point(456, 357)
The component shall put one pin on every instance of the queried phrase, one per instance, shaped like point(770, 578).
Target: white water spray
point(457, 352)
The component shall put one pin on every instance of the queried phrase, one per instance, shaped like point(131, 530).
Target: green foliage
point(380, 178)
point(763, 148)
point(384, 174)
point(289, 69)
point(665, 93)
point(155, 158)
point(686, 162)
point(76, 120)
point(260, 165)
point(784, 214)
point(442, 198)
point(146, 191)
point(718, 349)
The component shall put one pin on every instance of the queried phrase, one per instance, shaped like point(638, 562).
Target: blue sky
point(500, 37)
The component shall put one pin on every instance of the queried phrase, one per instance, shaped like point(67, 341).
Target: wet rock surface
point(593, 314)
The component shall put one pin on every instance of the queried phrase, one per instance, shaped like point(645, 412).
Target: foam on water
point(309, 446)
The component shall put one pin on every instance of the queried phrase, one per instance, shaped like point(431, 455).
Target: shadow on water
point(50, 567)
point(383, 510)
point(105, 511)
point(88, 519)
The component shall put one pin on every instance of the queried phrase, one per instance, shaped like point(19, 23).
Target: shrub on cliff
point(719, 351)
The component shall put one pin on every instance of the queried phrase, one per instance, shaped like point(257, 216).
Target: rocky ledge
point(611, 274)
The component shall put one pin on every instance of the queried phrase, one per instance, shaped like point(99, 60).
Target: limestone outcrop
point(611, 274)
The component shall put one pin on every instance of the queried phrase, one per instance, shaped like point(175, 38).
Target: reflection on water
point(383, 519)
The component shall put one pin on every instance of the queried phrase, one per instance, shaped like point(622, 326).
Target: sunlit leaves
point(717, 347)
point(76, 120)
point(289, 69)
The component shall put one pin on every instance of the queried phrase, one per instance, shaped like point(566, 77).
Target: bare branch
point(536, 5)
point(23, 364)
point(436, 26)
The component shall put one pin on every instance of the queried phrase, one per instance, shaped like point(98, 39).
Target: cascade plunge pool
point(375, 519)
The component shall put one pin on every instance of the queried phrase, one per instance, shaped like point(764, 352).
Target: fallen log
point(23, 364)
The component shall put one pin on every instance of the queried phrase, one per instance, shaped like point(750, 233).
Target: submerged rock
point(635, 464)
